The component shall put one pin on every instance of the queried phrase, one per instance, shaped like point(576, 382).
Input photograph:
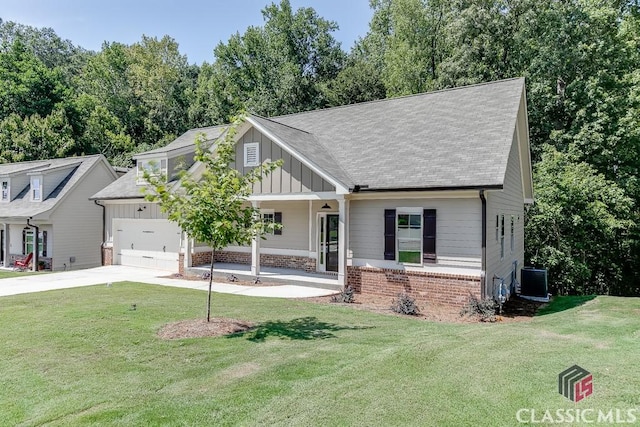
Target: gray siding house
point(45, 204)
point(423, 193)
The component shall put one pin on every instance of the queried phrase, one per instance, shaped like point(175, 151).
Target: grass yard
point(84, 357)
point(10, 273)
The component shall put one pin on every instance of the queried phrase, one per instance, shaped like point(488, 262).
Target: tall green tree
point(213, 208)
point(279, 68)
point(579, 227)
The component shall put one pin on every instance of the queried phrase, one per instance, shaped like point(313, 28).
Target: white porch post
point(255, 249)
point(187, 259)
point(343, 240)
point(7, 255)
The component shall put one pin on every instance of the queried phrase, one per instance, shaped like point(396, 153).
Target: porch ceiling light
point(326, 206)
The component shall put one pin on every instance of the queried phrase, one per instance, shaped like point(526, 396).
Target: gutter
point(36, 244)
point(483, 265)
point(366, 189)
point(104, 230)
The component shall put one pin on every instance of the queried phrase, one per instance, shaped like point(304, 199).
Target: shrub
point(346, 295)
point(484, 310)
point(405, 304)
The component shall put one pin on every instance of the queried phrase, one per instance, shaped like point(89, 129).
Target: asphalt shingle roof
point(21, 205)
point(188, 139)
point(451, 138)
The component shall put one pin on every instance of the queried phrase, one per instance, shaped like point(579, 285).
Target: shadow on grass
point(304, 328)
point(562, 303)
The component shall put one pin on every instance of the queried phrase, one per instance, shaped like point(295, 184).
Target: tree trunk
point(210, 283)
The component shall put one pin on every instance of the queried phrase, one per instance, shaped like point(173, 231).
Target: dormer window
point(36, 188)
point(6, 190)
point(154, 167)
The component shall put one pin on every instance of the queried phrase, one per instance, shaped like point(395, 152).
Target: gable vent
point(251, 154)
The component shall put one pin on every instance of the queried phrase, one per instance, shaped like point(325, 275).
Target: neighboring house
point(45, 209)
point(423, 193)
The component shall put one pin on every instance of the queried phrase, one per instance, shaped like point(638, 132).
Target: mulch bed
point(200, 328)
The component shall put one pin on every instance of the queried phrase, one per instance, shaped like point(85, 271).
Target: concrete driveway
point(119, 273)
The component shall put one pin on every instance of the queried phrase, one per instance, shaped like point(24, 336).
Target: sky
point(197, 25)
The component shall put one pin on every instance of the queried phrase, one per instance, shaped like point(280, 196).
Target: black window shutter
point(24, 242)
point(390, 234)
point(44, 243)
point(277, 218)
point(429, 236)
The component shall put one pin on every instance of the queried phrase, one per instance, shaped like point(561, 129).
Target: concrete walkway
point(118, 273)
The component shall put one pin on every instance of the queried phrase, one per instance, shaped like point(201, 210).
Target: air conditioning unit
point(534, 282)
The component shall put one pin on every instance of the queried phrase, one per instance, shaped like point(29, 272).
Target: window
point(497, 228)
point(502, 236)
point(27, 242)
point(409, 234)
point(251, 154)
point(36, 188)
point(153, 167)
point(5, 190)
point(513, 237)
point(271, 217)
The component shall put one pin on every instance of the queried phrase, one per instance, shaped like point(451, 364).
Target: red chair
point(23, 264)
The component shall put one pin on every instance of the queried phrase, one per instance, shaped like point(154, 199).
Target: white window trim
point(40, 188)
point(155, 167)
point(271, 212)
point(248, 146)
point(410, 211)
point(8, 191)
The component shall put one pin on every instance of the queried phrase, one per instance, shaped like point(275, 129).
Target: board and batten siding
point(458, 231)
point(508, 202)
point(292, 177)
point(77, 223)
point(130, 211)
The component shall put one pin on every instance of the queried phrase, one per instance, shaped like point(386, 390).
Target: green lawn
point(9, 273)
point(84, 357)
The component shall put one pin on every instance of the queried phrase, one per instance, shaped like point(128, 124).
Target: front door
point(328, 242)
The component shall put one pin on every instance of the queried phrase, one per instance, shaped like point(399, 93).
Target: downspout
point(483, 265)
point(104, 231)
point(36, 244)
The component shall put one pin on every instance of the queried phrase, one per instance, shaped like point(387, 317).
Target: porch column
point(7, 245)
point(343, 240)
point(187, 259)
point(255, 248)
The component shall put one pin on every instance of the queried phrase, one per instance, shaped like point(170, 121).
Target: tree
point(580, 227)
point(213, 208)
point(277, 69)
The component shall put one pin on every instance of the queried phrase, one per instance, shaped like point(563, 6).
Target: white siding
point(77, 223)
point(507, 202)
point(53, 179)
point(458, 234)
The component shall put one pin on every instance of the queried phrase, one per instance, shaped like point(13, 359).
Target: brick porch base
point(426, 288)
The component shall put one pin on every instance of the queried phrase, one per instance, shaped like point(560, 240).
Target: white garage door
point(151, 243)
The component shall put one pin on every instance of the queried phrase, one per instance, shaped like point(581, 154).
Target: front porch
point(224, 272)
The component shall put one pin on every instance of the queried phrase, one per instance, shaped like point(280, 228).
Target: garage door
point(151, 243)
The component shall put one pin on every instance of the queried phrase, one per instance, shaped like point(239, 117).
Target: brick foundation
point(266, 260)
point(426, 288)
point(107, 256)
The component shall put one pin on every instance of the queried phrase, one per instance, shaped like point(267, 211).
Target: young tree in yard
point(212, 208)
